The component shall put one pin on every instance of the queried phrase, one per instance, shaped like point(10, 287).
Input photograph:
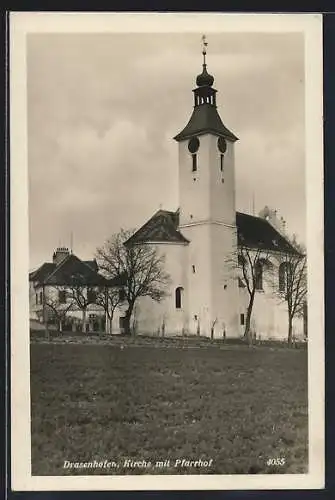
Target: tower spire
point(205, 117)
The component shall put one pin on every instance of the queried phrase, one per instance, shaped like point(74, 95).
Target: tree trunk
point(60, 326)
point(84, 321)
point(290, 331)
point(127, 318)
point(45, 316)
point(247, 331)
point(110, 326)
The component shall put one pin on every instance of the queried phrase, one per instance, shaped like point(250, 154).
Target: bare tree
point(141, 267)
point(57, 306)
point(109, 298)
point(82, 294)
point(292, 287)
point(251, 262)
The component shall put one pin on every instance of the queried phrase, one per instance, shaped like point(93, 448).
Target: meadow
point(144, 408)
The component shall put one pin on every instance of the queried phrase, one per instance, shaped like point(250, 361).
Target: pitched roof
point(205, 119)
point(42, 272)
point(161, 228)
point(70, 270)
point(255, 232)
point(74, 271)
point(92, 263)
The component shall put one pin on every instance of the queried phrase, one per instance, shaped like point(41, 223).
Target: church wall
point(151, 317)
point(225, 299)
point(199, 287)
point(269, 320)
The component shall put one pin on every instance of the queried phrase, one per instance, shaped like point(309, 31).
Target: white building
point(201, 241)
point(70, 294)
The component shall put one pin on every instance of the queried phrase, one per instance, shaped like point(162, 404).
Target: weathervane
point(204, 47)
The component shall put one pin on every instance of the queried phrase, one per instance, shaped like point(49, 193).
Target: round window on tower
point(193, 145)
point(222, 145)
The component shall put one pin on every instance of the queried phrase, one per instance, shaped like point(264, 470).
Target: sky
point(103, 110)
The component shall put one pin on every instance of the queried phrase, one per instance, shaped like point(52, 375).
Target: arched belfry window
point(193, 146)
point(221, 162)
point(259, 275)
point(179, 297)
point(222, 147)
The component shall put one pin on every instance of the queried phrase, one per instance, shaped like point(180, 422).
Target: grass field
point(235, 408)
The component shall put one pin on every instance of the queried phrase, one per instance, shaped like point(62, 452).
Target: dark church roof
point(205, 119)
point(162, 227)
point(255, 232)
point(71, 270)
point(252, 232)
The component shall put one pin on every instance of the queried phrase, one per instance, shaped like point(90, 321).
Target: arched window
point(179, 297)
point(258, 275)
point(282, 276)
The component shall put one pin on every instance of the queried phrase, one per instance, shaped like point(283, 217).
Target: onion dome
point(204, 79)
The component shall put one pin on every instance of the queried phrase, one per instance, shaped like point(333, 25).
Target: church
point(202, 241)
point(207, 246)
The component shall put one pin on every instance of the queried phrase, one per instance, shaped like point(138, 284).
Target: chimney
point(60, 254)
point(272, 217)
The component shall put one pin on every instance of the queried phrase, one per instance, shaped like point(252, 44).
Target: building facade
point(69, 294)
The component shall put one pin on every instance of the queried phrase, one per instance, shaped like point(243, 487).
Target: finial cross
point(204, 47)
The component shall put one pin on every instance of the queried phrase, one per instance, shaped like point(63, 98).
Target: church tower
point(207, 213)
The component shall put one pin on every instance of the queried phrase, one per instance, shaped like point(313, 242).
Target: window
point(91, 296)
point(283, 275)
point(258, 276)
point(41, 297)
point(242, 319)
point(36, 298)
point(221, 162)
point(193, 269)
point(241, 260)
point(178, 297)
point(61, 296)
point(194, 162)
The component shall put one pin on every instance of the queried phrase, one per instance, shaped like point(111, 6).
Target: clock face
point(193, 145)
point(222, 145)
